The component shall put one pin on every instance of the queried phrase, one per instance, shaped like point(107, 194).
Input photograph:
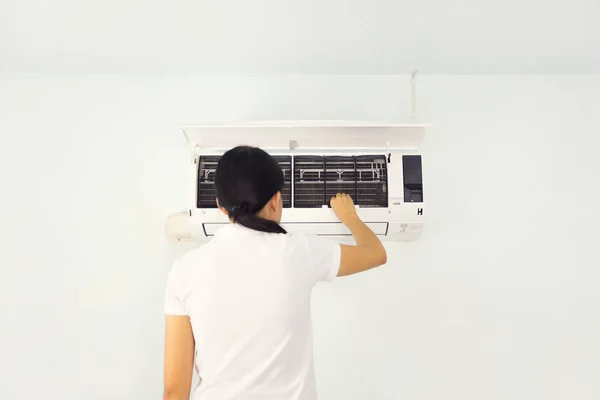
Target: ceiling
point(303, 36)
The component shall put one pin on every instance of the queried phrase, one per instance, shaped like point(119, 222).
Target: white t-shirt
point(247, 294)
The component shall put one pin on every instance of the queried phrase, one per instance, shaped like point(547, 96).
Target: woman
point(240, 305)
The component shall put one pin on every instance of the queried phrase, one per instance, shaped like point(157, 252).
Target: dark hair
point(246, 179)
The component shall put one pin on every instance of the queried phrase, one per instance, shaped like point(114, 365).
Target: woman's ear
point(224, 211)
point(275, 202)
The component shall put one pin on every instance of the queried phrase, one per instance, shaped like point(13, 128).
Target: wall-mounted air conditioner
point(379, 165)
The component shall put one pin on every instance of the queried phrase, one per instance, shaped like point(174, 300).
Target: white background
point(498, 300)
point(307, 36)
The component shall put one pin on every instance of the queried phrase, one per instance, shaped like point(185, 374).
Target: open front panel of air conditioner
point(380, 167)
point(310, 180)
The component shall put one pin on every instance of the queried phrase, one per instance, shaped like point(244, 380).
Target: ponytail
point(253, 221)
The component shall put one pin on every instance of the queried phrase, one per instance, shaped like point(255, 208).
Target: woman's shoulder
point(194, 257)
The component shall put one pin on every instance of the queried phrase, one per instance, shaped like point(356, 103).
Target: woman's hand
point(344, 208)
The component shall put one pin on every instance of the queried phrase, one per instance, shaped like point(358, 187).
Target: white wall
point(499, 300)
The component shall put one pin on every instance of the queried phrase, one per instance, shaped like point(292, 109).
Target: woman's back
point(239, 307)
point(247, 294)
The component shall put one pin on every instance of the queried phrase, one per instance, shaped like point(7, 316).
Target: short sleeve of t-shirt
point(173, 301)
point(324, 256)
